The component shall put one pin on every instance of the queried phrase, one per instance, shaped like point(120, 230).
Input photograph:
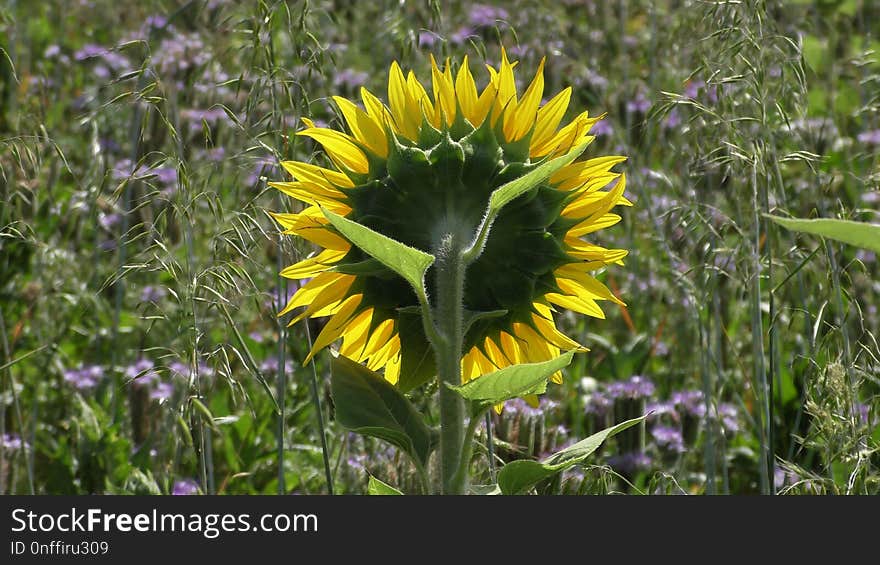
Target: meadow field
point(140, 347)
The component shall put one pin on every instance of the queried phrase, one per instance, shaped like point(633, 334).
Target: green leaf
point(406, 261)
point(859, 234)
point(473, 316)
point(512, 382)
point(519, 476)
point(369, 405)
point(417, 363)
point(377, 487)
point(485, 490)
point(508, 192)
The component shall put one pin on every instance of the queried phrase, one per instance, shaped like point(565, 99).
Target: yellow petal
point(590, 203)
point(535, 347)
point(610, 201)
point(506, 85)
point(377, 111)
point(469, 368)
point(319, 175)
point(553, 336)
point(444, 92)
point(310, 267)
point(572, 280)
point(336, 326)
point(484, 104)
point(566, 138)
point(466, 93)
point(311, 224)
point(580, 249)
point(399, 101)
point(485, 364)
point(322, 289)
point(548, 119)
point(356, 337)
point(495, 355)
point(421, 103)
point(511, 348)
point(576, 174)
point(392, 369)
point(527, 109)
point(340, 148)
point(385, 353)
point(363, 127)
point(591, 225)
point(310, 193)
point(580, 304)
point(378, 337)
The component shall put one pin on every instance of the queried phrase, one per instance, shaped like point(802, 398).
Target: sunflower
point(423, 165)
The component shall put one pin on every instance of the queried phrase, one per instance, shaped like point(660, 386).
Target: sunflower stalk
point(450, 270)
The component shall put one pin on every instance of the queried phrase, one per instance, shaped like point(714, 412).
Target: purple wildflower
point(141, 372)
point(661, 408)
point(672, 120)
point(728, 414)
point(668, 437)
point(162, 391)
point(691, 401)
point(482, 15)
point(185, 487)
point(212, 116)
point(179, 53)
point(152, 293)
point(661, 349)
point(520, 406)
point(350, 79)
point(866, 256)
point(12, 442)
point(89, 51)
point(870, 137)
point(356, 462)
point(179, 369)
point(157, 21)
point(84, 377)
point(108, 221)
point(182, 370)
point(270, 366)
point(638, 105)
point(602, 127)
point(598, 403)
point(461, 35)
point(631, 462)
point(591, 79)
point(783, 477)
point(427, 38)
point(262, 166)
point(864, 414)
point(634, 388)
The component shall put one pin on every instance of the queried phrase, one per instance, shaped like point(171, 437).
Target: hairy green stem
point(460, 480)
point(450, 269)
